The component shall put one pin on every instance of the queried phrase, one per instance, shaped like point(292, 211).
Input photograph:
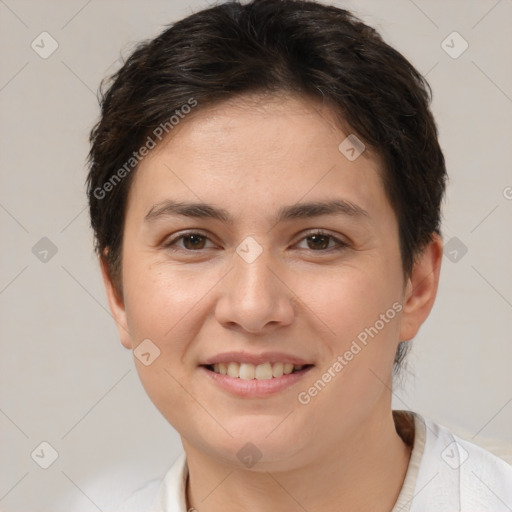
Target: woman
point(265, 187)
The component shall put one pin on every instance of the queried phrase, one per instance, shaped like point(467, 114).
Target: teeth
point(277, 370)
point(247, 371)
point(287, 368)
point(264, 371)
point(233, 369)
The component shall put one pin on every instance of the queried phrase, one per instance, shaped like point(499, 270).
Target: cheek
point(161, 305)
point(158, 298)
point(360, 307)
point(349, 299)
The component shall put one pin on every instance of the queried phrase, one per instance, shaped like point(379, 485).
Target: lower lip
point(254, 388)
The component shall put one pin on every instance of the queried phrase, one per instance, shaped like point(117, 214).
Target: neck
point(363, 473)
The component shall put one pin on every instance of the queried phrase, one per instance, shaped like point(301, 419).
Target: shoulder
point(456, 474)
point(142, 499)
point(160, 495)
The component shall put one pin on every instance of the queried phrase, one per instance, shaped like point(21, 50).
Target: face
point(253, 245)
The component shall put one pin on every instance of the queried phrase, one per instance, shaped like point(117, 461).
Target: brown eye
point(194, 241)
point(188, 242)
point(318, 241)
point(323, 242)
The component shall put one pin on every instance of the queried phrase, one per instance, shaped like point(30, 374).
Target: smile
point(248, 380)
point(248, 371)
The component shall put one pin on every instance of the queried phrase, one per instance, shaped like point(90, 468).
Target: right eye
point(192, 242)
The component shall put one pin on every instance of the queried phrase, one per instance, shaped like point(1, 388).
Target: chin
point(257, 443)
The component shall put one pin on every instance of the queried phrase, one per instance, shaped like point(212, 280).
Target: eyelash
point(171, 244)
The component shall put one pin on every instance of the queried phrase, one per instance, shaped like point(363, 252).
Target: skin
point(251, 156)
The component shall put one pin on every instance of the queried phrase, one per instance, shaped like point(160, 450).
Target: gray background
point(64, 376)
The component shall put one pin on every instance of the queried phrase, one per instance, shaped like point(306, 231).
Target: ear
point(116, 304)
point(421, 288)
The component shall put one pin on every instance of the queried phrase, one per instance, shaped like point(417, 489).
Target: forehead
point(255, 153)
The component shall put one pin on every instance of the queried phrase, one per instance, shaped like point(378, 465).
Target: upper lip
point(255, 359)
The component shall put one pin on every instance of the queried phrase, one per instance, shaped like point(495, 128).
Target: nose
point(254, 296)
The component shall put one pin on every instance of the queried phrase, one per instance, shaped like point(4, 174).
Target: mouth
point(253, 376)
point(260, 372)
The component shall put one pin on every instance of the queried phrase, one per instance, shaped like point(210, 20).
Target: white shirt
point(445, 474)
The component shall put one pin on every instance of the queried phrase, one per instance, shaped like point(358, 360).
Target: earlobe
point(116, 304)
point(421, 288)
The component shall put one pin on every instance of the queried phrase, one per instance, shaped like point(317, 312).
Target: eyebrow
point(338, 207)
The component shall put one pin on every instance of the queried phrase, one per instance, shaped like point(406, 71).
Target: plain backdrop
point(65, 378)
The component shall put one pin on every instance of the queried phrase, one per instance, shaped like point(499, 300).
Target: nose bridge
point(252, 273)
point(253, 297)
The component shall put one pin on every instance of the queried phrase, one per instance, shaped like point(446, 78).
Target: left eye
point(317, 241)
point(322, 241)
